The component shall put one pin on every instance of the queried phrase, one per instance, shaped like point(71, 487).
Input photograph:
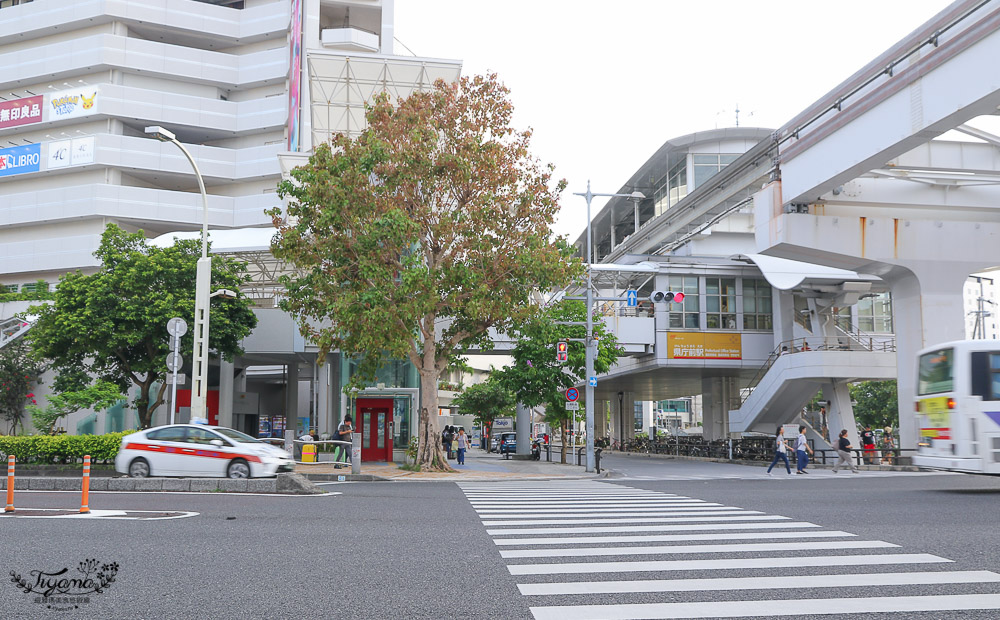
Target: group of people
point(843, 447)
point(455, 442)
point(344, 432)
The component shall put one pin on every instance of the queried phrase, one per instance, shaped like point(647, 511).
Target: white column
point(226, 371)
point(523, 429)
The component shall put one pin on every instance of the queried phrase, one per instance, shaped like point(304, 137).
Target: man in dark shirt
point(868, 444)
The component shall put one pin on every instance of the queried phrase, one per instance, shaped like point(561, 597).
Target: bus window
point(935, 372)
point(985, 366)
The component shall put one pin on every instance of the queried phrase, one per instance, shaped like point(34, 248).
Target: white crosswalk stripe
point(554, 536)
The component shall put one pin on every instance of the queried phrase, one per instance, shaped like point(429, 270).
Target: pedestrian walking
point(780, 450)
point(844, 453)
point(868, 445)
point(447, 436)
point(801, 454)
point(463, 445)
point(342, 452)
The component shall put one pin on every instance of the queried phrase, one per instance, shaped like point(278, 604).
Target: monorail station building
point(826, 251)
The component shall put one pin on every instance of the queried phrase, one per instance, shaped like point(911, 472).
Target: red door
point(373, 417)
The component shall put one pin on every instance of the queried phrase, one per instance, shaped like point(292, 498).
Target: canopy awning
point(784, 274)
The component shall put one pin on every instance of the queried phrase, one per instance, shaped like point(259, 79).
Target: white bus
point(958, 406)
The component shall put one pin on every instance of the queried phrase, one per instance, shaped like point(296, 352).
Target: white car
point(201, 451)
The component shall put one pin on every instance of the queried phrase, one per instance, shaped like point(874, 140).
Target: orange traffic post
point(10, 484)
point(84, 508)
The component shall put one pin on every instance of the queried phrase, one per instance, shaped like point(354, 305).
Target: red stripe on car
point(185, 451)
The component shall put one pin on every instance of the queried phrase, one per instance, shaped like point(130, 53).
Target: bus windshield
point(934, 373)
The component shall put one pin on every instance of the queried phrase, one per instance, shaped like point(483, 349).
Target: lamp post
point(203, 280)
point(591, 344)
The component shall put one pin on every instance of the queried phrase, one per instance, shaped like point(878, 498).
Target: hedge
point(61, 448)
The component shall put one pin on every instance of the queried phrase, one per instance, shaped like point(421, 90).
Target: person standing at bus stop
point(780, 450)
point(801, 456)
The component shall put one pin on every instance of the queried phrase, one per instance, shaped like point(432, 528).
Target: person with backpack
point(780, 450)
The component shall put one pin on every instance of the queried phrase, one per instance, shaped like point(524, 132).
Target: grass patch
point(409, 467)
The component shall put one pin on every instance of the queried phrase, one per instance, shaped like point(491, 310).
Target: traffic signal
point(562, 352)
point(666, 296)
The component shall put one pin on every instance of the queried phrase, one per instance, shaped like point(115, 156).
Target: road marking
point(678, 549)
point(625, 516)
point(792, 607)
point(101, 515)
point(579, 568)
point(588, 502)
point(748, 515)
point(649, 528)
point(618, 513)
point(569, 540)
point(757, 583)
point(550, 506)
point(631, 509)
point(202, 493)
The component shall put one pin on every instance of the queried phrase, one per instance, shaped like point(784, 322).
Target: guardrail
point(341, 459)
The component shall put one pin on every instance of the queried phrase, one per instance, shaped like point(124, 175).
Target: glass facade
point(685, 315)
point(720, 303)
point(637, 416)
point(757, 305)
point(875, 314)
point(394, 375)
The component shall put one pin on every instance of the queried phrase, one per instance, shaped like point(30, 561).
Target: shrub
point(46, 449)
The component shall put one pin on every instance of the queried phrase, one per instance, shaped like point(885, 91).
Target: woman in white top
point(780, 450)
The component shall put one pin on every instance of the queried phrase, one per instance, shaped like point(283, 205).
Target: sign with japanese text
point(701, 345)
point(20, 159)
point(21, 111)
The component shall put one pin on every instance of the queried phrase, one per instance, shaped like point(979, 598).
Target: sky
point(604, 84)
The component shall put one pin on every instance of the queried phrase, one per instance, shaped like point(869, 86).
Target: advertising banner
point(295, 76)
point(75, 152)
point(72, 103)
point(706, 346)
point(20, 159)
point(21, 111)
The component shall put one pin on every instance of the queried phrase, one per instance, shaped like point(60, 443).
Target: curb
point(287, 484)
point(755, 463)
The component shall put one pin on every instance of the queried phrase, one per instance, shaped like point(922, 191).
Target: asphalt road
point(419, 550)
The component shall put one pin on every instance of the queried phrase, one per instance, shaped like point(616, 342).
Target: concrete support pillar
point(523, 428)
point(719, 395)
point(292, 397)
point(240, 381)
point(226, 372)
point(839, 413)
point(325, 400)
point(602, 426)
point(783, 306)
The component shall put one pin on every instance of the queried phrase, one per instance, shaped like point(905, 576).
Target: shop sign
point(21, 111)
point(73, 103)
point(74, 152)
point(700, 345)
point(20, 159)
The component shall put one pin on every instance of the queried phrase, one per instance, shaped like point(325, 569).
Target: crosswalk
point(757, 473)
point(574, 546)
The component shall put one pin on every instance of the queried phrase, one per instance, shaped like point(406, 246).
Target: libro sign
point(20, 159)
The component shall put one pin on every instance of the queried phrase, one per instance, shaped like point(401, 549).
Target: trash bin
point(309, 453)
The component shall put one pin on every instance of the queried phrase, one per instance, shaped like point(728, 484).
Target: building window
point(720, 303)
point(685, 314)
point(842, 316)
point(875, 314)
point(8, 3)
point(35, 287)
point(637, 416)
point(672, 187)
point(706, 166)
point(757, 305)
point(10, 288)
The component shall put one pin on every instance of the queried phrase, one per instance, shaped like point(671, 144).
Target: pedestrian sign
point(593, 382)
point(572, 394)
point(632, 298)
point(562, 352)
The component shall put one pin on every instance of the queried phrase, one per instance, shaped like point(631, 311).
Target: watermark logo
point(62, 590)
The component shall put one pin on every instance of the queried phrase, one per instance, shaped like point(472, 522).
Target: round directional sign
point(177, 326)
point(174, 362)
point(572, 394)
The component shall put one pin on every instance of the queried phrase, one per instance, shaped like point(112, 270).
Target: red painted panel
point(211, 402)
point(374, 406)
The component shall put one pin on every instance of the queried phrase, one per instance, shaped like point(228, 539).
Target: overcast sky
point(604, 84)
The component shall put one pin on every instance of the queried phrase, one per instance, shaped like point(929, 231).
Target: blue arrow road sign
point(632, 298)
point(593, 382)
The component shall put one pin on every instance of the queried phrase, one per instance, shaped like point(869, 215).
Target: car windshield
point(236, 435)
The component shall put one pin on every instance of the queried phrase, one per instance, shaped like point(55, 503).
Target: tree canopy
point(416, 237)
point(112, 324)
point(536, 378)
point(875, 403)
point(19, 372)
point(486, 401)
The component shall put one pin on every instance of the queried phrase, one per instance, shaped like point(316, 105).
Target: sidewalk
point(479, 467)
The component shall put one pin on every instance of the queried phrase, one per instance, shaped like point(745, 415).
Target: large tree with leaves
point(19, 374)
point(113, 324)
point(875, 403)
point(416, 237)
point(536, 378)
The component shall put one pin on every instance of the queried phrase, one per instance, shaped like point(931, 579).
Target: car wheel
point(138, 468)
point(238, 469)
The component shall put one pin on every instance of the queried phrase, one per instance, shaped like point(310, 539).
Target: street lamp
point(203, 280)
point(591, 344)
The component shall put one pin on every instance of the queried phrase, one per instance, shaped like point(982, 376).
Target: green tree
point(875, 403)
point(113, 324)
point(536, 378)
point(486, 401)
point(19, 371)
point(101, 395)
point(415, 238)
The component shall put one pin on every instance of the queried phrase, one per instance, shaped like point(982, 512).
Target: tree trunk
point(565, 437)
point(430, 455)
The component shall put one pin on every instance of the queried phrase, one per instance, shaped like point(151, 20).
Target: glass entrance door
point(374, 419)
